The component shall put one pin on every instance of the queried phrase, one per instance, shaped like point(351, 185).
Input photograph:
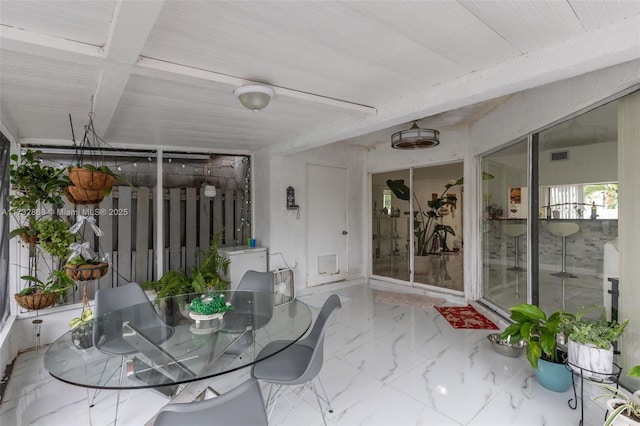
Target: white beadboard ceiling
point(162, 73)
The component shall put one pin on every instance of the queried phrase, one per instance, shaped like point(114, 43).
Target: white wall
point(519, 115)
point(286, 233)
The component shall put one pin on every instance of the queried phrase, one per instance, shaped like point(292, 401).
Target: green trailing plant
point(625, 406)
point(635, 371)
point(57, 283)
point(86, 316)
point(530, 323)
point(599, 333)
point(38, 190)
point(79, 260)
point(54, 236)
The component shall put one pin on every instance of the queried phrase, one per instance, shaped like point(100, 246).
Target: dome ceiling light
point(415, 138)
point(254, 96)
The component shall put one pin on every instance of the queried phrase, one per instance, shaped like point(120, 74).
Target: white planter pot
point(595, 363)
point(620, 420)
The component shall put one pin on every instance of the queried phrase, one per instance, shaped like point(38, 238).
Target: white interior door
point(327, 234)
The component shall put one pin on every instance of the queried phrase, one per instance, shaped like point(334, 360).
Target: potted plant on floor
point(208, 275)
point(590, 346)
point(624, 410)
point(540, 331)
point(426, 226)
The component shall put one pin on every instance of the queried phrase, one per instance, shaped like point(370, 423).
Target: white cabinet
point(243, 259)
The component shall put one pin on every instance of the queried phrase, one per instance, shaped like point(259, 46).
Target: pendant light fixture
point(254, 96)
point(415, 138)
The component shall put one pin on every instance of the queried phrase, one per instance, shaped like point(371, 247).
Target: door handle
point(344, 232)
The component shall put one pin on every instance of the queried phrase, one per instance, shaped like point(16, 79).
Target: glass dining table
point(162, 343)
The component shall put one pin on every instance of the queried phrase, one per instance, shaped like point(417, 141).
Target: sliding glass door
point(419, 220)
point(550, 221)
point(504, 225)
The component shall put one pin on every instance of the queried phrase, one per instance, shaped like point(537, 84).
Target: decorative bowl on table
point(208, 311)
point(506, 347)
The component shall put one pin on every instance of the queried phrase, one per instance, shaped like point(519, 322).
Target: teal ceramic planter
point(553, 376)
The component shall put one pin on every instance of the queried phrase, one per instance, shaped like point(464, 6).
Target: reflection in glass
point(578, 175)
point(390, 228)
point(504, 226)
point(435, 225)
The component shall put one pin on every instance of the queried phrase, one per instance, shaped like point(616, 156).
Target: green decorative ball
point(209, 304)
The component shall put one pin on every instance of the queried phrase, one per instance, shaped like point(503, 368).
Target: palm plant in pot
point(590, 344)
point(541, 332)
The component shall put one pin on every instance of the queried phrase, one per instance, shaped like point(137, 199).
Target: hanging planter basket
point(36, 300)
point(78, 195)
point(29, 238)
point(86, 272)
point(89, 179)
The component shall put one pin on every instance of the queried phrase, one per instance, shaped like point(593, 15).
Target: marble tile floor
point(384, 365)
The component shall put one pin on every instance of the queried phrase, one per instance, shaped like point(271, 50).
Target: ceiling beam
point(130, 27)
point(609, 46)
point(23, 41)
point(156, 68)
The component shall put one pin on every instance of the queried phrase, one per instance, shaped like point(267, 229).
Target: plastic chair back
point(241, 406)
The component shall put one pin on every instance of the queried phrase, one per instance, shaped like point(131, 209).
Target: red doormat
point(466, 317)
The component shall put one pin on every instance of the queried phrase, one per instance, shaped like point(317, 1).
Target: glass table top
point(162, 343)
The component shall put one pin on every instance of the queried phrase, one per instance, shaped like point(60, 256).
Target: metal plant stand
point(612, 378)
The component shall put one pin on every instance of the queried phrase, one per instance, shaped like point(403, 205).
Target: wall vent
point(562, 155)
point(328, 265)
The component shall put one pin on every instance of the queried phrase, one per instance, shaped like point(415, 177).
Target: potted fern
point(208, 275)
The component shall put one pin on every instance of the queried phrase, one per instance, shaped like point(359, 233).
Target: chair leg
point(326, 397)
point(273, 398)
point(319, 398)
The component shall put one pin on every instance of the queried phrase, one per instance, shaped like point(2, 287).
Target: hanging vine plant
point(38, 191)
point(54, 237)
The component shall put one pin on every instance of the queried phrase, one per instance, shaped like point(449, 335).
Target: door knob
point(344, 232)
